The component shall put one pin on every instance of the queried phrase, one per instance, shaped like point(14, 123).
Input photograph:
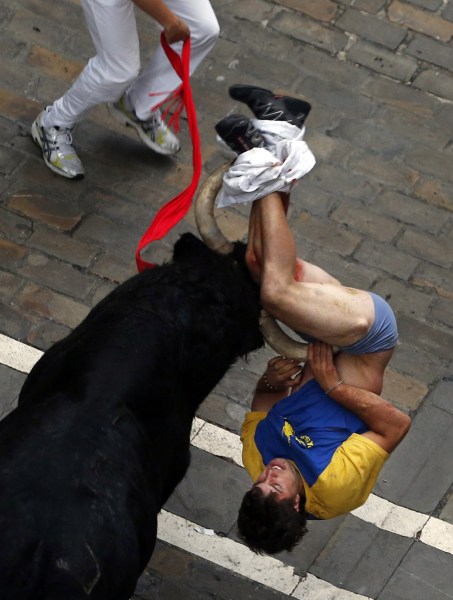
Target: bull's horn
point(204, 212)
point(279, 341)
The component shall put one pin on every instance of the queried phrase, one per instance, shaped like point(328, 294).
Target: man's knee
point(272, 294)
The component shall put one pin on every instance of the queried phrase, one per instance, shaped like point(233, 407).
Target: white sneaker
point(153, 132)
point(57, 149)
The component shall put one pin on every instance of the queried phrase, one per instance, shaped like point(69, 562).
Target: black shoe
point(268, 106)
point(239, 134)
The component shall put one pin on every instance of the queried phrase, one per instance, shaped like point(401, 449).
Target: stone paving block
point(442, 312)
point(403, 391)
point(437, 164)
point(385, 258)
point(382, 61)
point(63, 247)
point(407, 128)
point(223, 412)
point(439, 341)
point(442, 395)
point(371, 28)
point(52, 64)
point(436, 82)
point(12, 382)
point(350, 273)
point(52, 306)
point(435, 249)
point(369, 6)
point(383, 171)
point(401, 97)
point(9, 160)
point(312, 544)
point(56, 275)
point(11, 254)
point(328, 149)
point(447, 11)
point(431, 51)
point(328, 235)
point(9, 284)
point(367, 134)
point(432, 5)
point(420, 20)
point(328, 68)
point(115, 235)
point(370, 224)
point(14, 227)
point(211, 506)
point(341, 181)
point(322, 10)
point(243, 388)
point(254, 10)
point(405, 208)
point(423, 573)
point(312, 199)
point(403, 299)
point(416, 361)
point(435, 192)
point(426, 455)
point(54, 212)
point(308, 31)
point(447, 511)
point(360, 557)
point(341, 99)
point(115, 267)
point(173, 573)
point(46, 333)
point(16, 323)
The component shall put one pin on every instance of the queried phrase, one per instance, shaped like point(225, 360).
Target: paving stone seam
point(214, 439)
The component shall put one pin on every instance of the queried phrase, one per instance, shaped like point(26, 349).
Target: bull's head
point(214, 238)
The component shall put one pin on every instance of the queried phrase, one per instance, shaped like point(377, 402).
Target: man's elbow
point(401, 426)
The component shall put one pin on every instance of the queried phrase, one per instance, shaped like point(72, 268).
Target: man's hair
point(268, 525)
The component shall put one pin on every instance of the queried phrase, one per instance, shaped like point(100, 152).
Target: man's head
point(272, 514)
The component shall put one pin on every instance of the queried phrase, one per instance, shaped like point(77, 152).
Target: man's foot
point(238, 132)
point(153, 132)
point(266, 105)
point(57, 149)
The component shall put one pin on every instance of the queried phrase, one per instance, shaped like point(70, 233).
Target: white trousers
point(116, 65)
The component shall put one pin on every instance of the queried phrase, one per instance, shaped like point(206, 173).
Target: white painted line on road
point(439, 534)
point(16, 355)
point(215, 440)
point(238, 558)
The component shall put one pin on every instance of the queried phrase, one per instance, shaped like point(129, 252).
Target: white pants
point(116, 65)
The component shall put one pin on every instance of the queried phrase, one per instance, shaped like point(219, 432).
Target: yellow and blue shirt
point(339, 466)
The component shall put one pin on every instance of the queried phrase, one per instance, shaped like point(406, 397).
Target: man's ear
point(296, 502)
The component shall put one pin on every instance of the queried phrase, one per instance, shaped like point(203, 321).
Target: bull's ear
point(189, 246)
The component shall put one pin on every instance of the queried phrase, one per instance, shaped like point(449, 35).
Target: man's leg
point(327, 311)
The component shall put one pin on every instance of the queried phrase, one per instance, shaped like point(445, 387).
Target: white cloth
point(261, 171)
point(116, 65)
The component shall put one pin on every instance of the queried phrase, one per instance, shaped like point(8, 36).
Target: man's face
point(281, 478)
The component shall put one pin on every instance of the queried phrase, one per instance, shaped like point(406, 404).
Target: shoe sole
point(121, 118)
point(37, 139)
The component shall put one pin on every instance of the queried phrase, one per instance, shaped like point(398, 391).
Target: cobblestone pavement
point(376, 211)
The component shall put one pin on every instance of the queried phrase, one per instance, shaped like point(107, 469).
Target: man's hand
point(320, 360)
point(283, 373)
point(176, 31)
point(387, 424)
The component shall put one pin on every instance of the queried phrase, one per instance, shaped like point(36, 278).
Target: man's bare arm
point(387, 424)
point(176, 30)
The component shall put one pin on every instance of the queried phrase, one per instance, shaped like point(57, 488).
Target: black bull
point(100, 437)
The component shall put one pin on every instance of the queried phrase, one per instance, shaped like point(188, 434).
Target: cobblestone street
point(376, 212)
